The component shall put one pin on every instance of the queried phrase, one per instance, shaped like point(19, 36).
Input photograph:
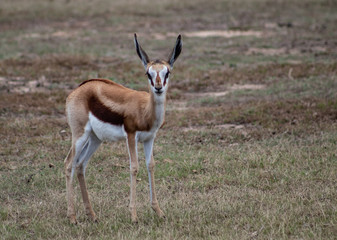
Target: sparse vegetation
point(249, 163)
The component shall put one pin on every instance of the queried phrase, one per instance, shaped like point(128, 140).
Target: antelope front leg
point(132, 147)
point(148, 148)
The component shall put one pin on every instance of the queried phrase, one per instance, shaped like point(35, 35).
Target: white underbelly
point(105, 131)
point(109, 132)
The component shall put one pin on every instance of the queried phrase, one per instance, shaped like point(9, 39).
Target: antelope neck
point(156, 106)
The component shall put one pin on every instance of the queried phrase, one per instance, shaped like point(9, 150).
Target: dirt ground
point(248, 149)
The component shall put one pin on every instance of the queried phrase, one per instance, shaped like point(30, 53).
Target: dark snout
point(158, 89)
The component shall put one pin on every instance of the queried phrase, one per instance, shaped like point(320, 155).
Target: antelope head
point(158, 71)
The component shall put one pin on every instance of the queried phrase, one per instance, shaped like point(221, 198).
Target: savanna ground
point(248, 150)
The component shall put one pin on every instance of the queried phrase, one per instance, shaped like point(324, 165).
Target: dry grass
point(250, 163)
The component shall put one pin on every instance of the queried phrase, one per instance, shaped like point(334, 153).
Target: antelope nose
point(158, 88)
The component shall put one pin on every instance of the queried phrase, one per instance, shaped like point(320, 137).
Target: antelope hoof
point(159, 212)
point(134, 219)
point(72, 220)
point(92, 217)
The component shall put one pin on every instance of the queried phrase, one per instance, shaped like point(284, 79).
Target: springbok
point(102, 110)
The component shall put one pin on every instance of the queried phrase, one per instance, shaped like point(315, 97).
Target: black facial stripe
point(149, 77)
point(166, 76)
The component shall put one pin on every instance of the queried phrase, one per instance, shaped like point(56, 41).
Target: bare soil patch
point(54, 35)
point(219, 79)
point(274, 51)
point(211, 33)
point(269, 118)
point(39, 74)
point(182, 105)
point(232, 88)
point(225, 34)
point(205, 128)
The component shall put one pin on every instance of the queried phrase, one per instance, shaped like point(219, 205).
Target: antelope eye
point(167, 74)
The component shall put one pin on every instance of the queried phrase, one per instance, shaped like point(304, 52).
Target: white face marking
point(162, 75)
point(163, 83)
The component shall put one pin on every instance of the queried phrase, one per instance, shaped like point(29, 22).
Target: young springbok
point(101, 110)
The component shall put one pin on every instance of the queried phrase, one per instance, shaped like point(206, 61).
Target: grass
point(247, 196)
point(251, 164)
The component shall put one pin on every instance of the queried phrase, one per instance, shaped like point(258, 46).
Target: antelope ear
point(141, 53)
point(176, 51)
